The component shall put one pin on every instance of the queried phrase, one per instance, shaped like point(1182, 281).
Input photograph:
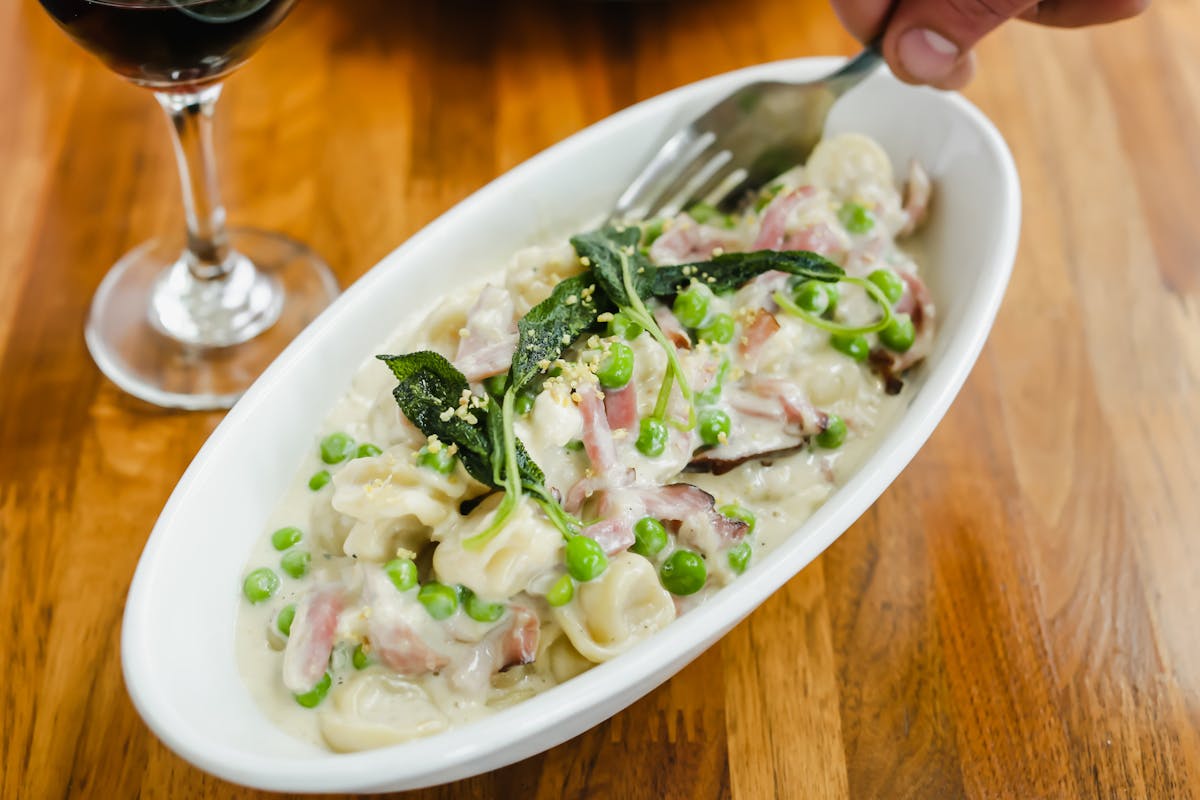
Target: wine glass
point(191, 324)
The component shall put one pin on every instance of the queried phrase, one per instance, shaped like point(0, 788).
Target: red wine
point(169, 43)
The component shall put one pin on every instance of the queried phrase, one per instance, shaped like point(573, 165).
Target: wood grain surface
point(1018, 616)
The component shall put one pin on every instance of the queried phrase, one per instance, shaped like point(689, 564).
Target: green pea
point(703, 212)
point(683, 573)
point(856, 218)
point(714, 426)
point(888, 282)
point(834, 434)
point(691, 306)
point(574, 446)
point(439, 599)
point(719, 329)
point(734, 511)
point(336, 448)
point(561, 592)
point(496, 384)
point(367, 450)
point(585, 558)
point(523, 403)
point(283, 621)
point(652, 437)
point(313, 697)
point(739, 557)
point(440, 460)
point(402, 572)
point(814, 297)
point(650, 537)
point(853, 345)
point(296, 563)
point(621, 325)
point(319, 479)
point(900, 334)
point(616, 368)
point(284, 538)
point(359, 658)
point(260, 585)
point(651, 231)
point(481, 610)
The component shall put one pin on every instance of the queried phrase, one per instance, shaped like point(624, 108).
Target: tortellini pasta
point(505, 565)
point(376, 709)
point(391, 485)
point(617, 610)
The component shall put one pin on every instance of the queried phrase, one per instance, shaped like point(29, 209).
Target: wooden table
point(1018, 616)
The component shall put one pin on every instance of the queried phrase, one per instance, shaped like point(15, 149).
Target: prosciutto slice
point(488, 341)
point(393, 635)
point(312, 637)
point(775, 218)
point(678, 502)
point(620, 405)
point(917, 302)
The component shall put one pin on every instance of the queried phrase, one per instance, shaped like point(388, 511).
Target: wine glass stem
point(208, 255)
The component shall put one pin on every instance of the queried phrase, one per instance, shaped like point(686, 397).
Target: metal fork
point(739, 144)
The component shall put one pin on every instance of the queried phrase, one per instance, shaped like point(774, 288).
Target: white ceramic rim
point(567, 710)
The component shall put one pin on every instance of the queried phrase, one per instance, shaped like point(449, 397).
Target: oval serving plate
point(178, 642)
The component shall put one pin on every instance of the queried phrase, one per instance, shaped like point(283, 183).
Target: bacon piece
point(519, 643)
point(393, 638)
point(677, 502)
point(796, 408)
point(597, 436)
point(684, 243)
point(311, 639)
point(773, 229)
point(621, 406)
point(761, 327)
point(917, 302)
point(672, 328)
point(489, 339)
point(613, 535)
point(818, 238)
point(917, 193)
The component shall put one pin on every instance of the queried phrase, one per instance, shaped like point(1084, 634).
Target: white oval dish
point(178, 640)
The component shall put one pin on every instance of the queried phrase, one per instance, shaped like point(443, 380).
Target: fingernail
point(927, 56)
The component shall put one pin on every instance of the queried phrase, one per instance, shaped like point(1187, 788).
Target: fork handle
point(856, 69)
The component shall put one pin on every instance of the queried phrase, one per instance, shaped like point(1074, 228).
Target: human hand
point(930, 41)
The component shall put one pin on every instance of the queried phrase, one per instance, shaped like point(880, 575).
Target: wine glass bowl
point(191, 323)
point(169, 44)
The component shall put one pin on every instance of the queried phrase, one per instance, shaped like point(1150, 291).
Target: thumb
point(927, 40)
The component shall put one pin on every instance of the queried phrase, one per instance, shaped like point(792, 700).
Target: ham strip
point(773, 229)
point(488, 341)
point(597, 436)
point(818, 238)
point(684, 243)
point(620, 405)
point(519, 643)
point(917, 193)
point(312, 637)
point(677, 502)
point(761, 327)
point(917, 302)
point(394, 640)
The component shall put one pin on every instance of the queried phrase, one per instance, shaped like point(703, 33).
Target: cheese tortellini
point(617, 610)
point(525, 547)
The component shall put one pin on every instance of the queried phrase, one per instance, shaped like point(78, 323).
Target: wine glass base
point(133, 349)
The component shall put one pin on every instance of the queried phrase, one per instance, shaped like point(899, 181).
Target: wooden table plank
point(1016, 617)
